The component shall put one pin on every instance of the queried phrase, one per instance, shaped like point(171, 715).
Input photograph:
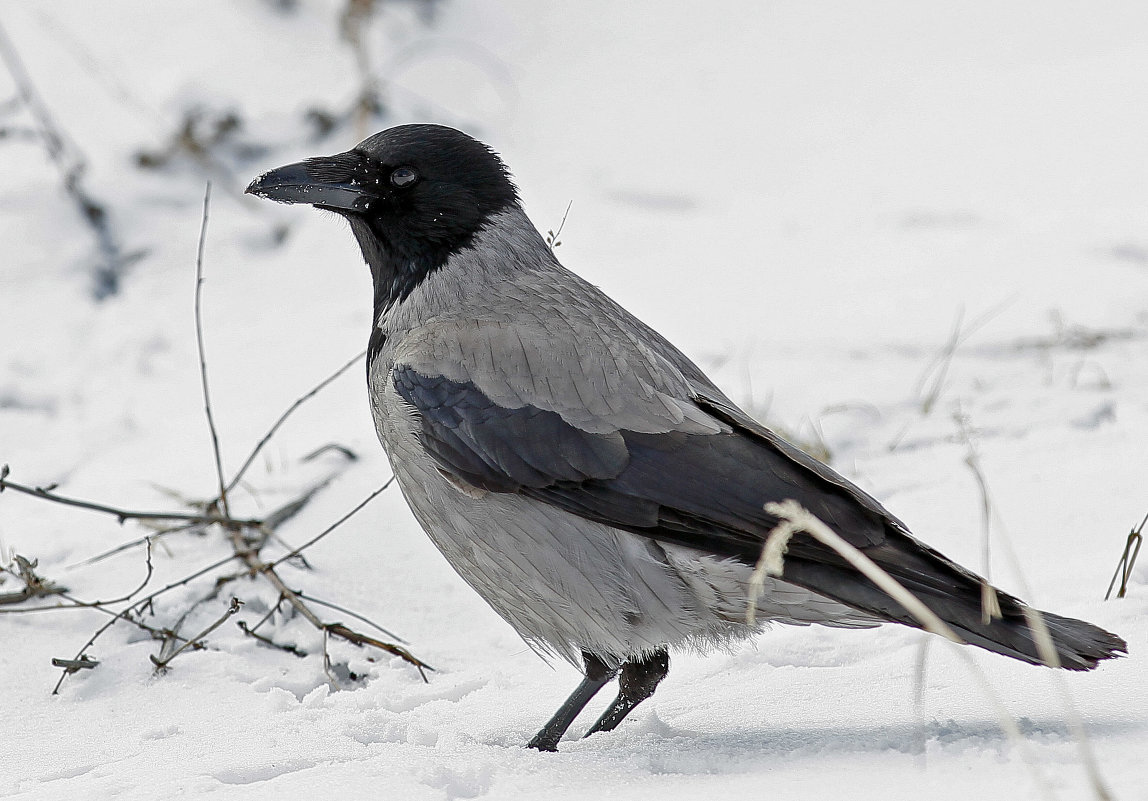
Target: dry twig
point(990, 603)
point(283, 417)
point(292, 554)
point(552, 240)
point(250, 556)
point(35, 586)
point(197, 641)
point(928, 393)
point(1127, 560)
point(120, 514)
point(202, 355)
point(129, 612)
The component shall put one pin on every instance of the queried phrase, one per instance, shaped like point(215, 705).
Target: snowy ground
point(804, 196)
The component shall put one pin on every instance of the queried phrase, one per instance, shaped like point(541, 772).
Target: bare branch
point(288, 510)
point(339, 630)
point(124, 614)
point(161, 664)
point(142, 585)
point(552, 240)
point(75, 602)
point(147, 539)
point(271, 522)
point(1127, 561)
point(250, 631)
point(156, 634)
point(202, 355)
point(120, 514)
point(35, 585)
point(74, 665)
point(291, 410)
point(346, 611)
point(331, 527)
point(258, 567)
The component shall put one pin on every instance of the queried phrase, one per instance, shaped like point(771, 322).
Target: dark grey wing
point(502, 449)
point(707, 491)
point(730, 414)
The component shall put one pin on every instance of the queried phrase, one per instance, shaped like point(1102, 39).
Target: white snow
point(803, 196)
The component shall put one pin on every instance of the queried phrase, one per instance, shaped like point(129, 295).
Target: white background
point(805, 197)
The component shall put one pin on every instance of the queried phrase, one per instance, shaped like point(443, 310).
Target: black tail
point(954, 594)
point(1079, 645)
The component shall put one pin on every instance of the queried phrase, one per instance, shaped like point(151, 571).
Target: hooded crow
point(580, 473)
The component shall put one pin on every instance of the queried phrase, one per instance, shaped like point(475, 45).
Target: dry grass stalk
point(1127, 561)
point(794, 518)
point(203, 356)
point(1045, 646)
point(990, 604)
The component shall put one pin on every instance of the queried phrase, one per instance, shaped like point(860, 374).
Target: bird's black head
point(413, 194)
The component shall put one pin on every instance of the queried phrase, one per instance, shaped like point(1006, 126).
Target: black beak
point(339, 183)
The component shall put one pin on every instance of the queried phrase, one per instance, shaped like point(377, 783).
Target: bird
point(580, 473)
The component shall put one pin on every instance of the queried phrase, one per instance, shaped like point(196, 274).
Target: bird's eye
point(404, 177)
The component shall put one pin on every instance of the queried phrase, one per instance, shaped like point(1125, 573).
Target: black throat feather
point(398, 267)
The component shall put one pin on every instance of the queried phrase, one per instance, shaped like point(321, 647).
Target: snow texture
point(805, 197)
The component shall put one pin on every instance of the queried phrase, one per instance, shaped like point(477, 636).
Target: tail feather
point(953, 594)
point(1079, 645)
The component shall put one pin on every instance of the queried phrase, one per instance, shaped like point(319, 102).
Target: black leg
point(639, 679)
point(597, 674)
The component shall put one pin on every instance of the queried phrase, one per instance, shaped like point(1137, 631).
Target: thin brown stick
point(156, 634)
point(146, 539)
point(124, 598)
point(332, 527)
point(283, 417)
point(990, 603)
point(250, 631)
point(202, 354)
point(121, 515)
point(35, 586)
point(138, 605)
point(272, 522)
point(1127, 561)
point(258, 567)
point(350, 612)
point(161, 664)
point(274, 608)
